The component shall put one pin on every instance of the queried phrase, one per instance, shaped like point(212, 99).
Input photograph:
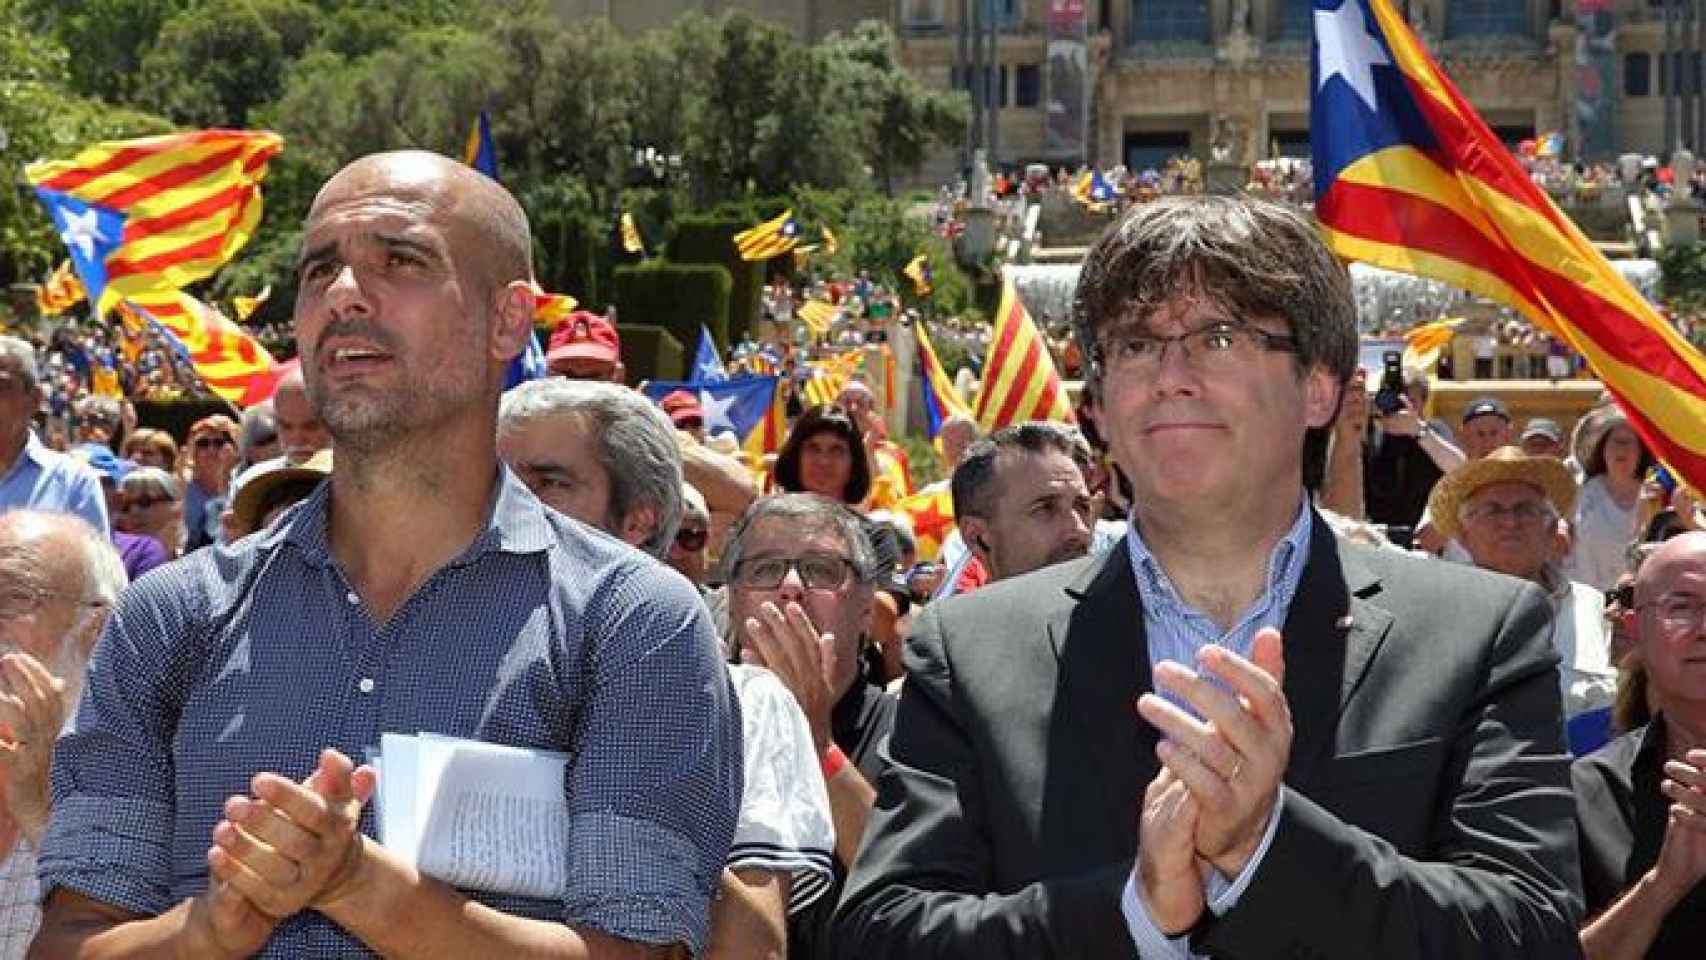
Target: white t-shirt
point(1603, 531)
point(1588, 679)
point(785, 824)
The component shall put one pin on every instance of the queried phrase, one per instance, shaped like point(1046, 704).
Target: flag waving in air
point(772, 238)
point(1409, 177)
point(480, 152)
point(941, 400)
point(61, 292)
point(1019, 380)
point(156, 213)
point(707, 366)
point(739, 406)
point(232, 363)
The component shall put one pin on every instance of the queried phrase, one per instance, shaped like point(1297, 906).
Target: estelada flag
point(941, 400)
point(772, 238)
point(1409, 177)
point(232, 363)
point(932, 516)
point(1019, 380)
point(152, 215)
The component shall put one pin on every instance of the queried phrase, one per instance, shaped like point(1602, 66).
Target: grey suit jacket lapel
point(1104, 666)
point(1332, 633)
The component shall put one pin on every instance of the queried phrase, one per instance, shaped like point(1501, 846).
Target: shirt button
point(366, 685)
point(351, 597)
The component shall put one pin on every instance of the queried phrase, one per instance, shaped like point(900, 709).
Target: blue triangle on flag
point(91, 234)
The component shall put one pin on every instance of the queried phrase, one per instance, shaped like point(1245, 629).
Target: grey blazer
point(1427, 809)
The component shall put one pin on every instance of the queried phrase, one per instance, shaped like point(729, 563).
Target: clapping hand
point(1233, 759)
point(292, 845)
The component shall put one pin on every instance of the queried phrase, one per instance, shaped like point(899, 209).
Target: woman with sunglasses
point(151, 504)
point(212, 452)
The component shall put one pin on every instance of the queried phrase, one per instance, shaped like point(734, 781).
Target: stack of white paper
point(482, 816)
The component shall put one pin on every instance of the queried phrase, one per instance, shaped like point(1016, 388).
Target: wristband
point(833, 762)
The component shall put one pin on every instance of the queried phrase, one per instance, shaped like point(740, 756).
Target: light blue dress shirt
point(44, 479)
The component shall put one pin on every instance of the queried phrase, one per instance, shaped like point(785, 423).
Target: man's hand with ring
point(295, 845)
point(1234, 758)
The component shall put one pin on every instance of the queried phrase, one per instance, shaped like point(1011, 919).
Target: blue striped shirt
point(1176, 630)
point(542, 633)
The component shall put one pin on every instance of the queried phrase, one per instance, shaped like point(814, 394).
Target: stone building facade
point(1171, 77)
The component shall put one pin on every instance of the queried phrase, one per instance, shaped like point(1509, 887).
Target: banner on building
point(1067, 95)
point(1594, 70)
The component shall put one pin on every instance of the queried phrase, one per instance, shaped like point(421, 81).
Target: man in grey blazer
point(1234, 735)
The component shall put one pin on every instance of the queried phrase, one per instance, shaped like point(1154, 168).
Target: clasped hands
point(1209, 807)
point(286, 848)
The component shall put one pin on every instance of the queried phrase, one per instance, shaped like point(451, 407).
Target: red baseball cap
point(585, 335)
point(683, 407)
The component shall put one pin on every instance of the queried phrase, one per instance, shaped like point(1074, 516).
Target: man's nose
point(791, 587)
point(345, 292)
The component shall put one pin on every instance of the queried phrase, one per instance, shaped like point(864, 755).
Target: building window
point(1290, 143)
point(924, 13)
point(1486, 18)
point(1637, 74)
point(1296, 20)
point(1008, 13)
point(1001, 87)
point(1674, 67)
point(1028, 85)
point(1151, 151)
point(1169, 21)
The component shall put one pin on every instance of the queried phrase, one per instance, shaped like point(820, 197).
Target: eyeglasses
point(1622, 596)
point(1219, 348)
point(204, 443)
point(818, 571)
point(691, 540)
point(1678, 613)
point(1528, 512)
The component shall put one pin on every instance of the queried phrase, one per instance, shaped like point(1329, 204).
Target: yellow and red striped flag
point(232, 363)
point(772, 238)
point(1422, 345)
point(817, 315)
point(61, 292)
point(158, 213)
point(245, 307)
point(1019, 379)
point(631, 242)
point(829, 377)
point(1409, 177)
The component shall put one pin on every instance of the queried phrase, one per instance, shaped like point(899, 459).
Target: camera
point(1389, 399)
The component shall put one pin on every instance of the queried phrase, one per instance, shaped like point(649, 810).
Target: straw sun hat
point(1504, 465)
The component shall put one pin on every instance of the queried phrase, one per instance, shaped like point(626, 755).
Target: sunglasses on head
point(691, 541)
point(204, 443)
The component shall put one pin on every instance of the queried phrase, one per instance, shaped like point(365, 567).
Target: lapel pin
point(1346, 622)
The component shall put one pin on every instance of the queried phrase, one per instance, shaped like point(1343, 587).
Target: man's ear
point(640, 523)
point(974, 531)
point(1321, 394)
point(512, 319)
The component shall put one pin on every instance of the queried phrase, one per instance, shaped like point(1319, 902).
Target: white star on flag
point(83, 231)
point(1347, 50)
point(716, 411)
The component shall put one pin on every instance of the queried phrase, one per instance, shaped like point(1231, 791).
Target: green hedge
point(651, 353)
point(710, 239)
point(676, 296)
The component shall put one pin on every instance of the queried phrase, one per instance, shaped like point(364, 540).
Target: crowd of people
point(1246, 625)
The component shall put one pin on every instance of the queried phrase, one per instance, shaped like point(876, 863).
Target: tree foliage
point(726, 112)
